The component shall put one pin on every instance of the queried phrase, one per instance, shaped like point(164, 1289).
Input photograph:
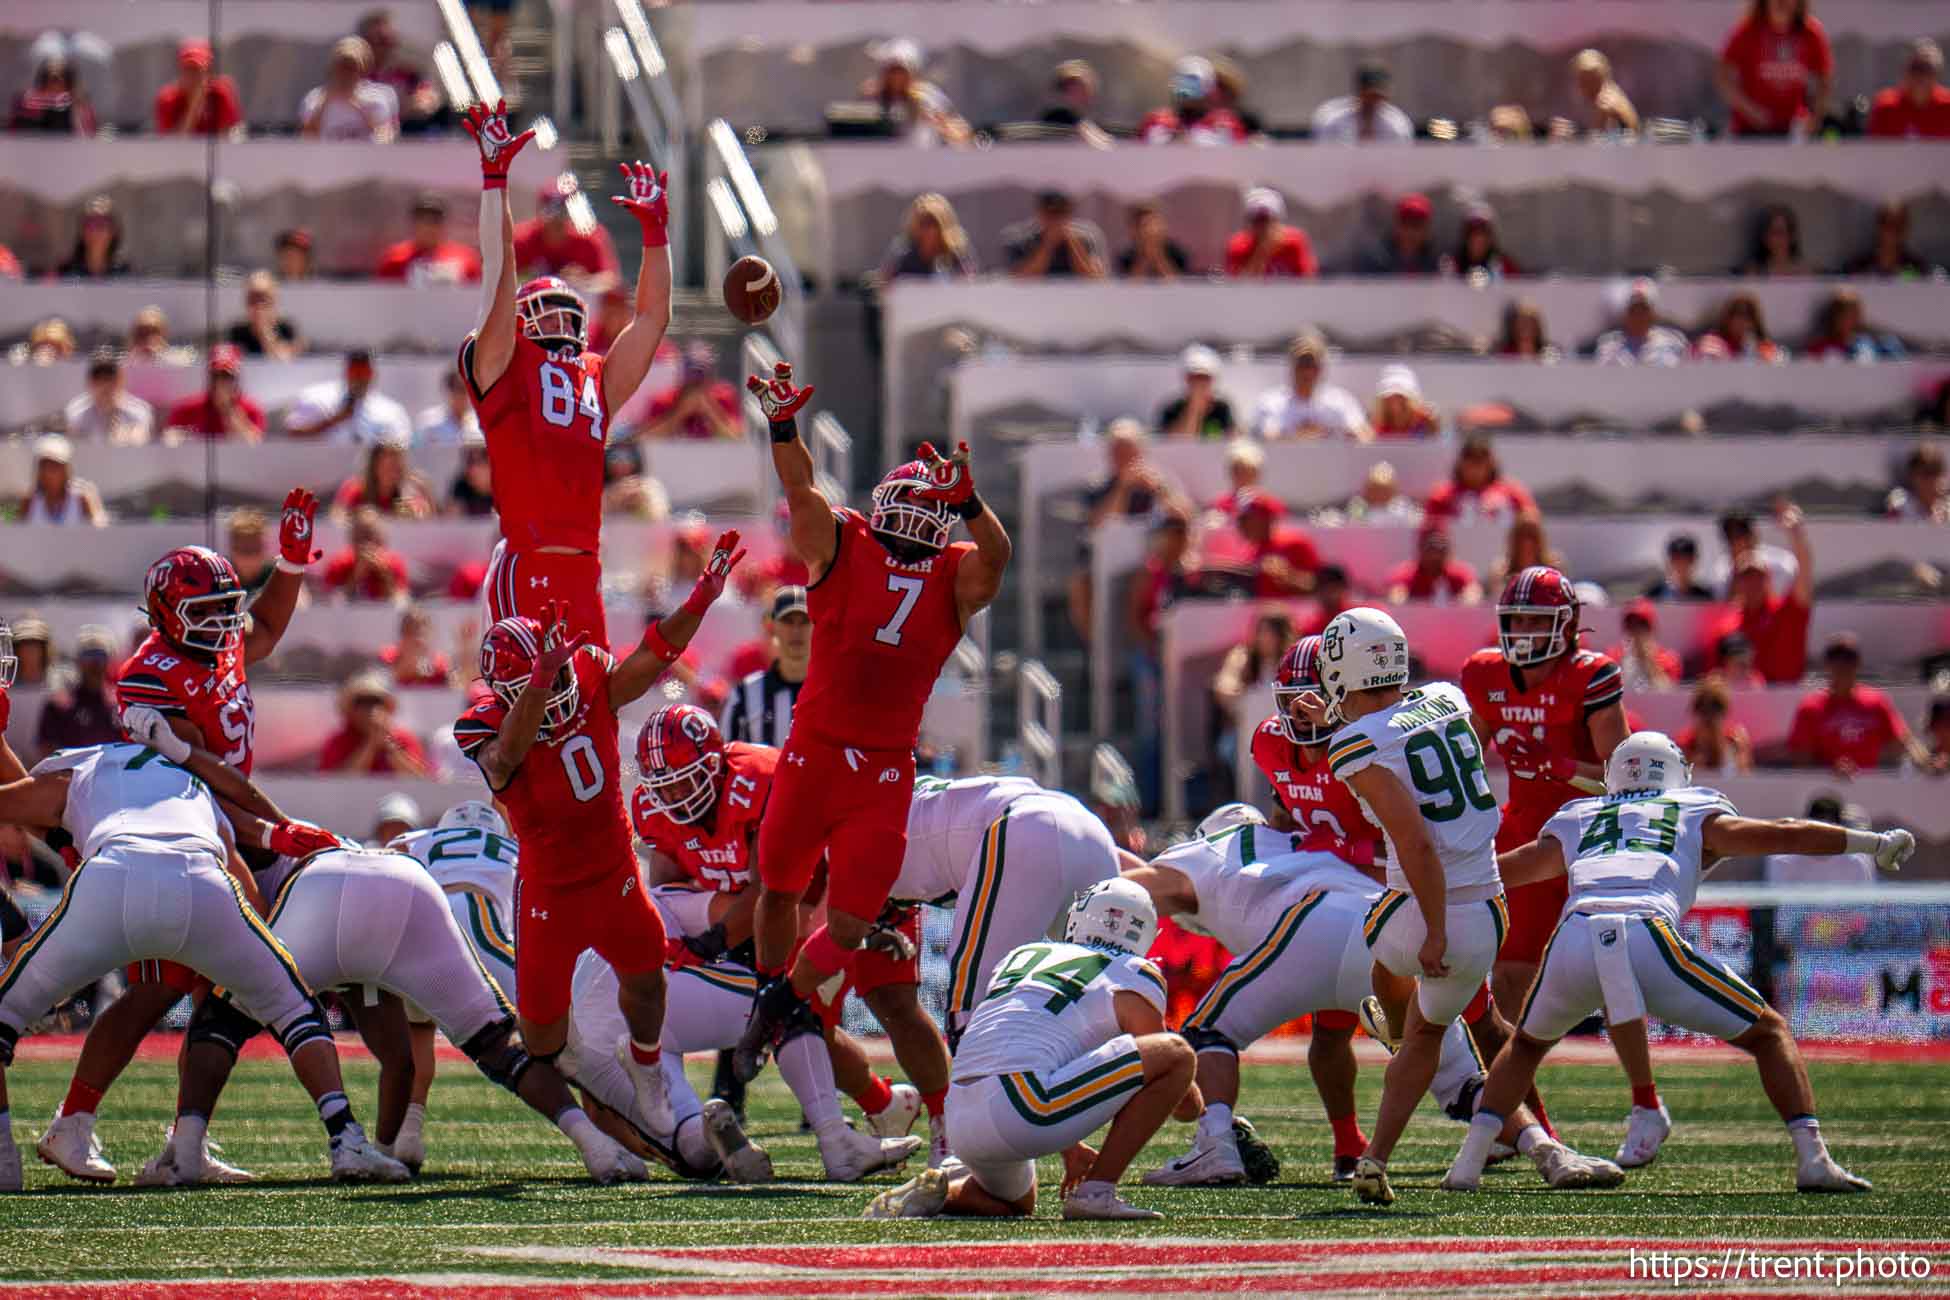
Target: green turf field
point(498, 1177)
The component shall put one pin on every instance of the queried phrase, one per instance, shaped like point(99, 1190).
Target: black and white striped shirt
point(759, 709)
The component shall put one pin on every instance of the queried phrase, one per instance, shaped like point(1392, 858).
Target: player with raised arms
point(547, 743)
point(1413, 760)
point(544, 400)
point(890, 596)
point(204, 635)
point(1633, 861)
point(1070, 1036)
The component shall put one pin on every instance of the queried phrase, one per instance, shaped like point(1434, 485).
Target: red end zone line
point(164, 1047)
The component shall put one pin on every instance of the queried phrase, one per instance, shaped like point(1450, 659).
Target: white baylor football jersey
point(945, 824)
point(1048, 1004)
point(1427, 741)
point(1636, 854)
point(1243, 876)
point(466, 857)
point(130, 792)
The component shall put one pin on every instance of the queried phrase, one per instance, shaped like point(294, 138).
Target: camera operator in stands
point(108, 410)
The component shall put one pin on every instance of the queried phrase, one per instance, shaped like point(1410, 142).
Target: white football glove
point(1893, 849)
point(146, 726)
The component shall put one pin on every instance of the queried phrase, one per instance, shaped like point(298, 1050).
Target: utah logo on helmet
point(194, 600)
point(508, 655)
point(681, 755)
point(903, 516)
point(1539, 594)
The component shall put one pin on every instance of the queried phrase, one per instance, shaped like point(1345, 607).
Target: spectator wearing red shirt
point(1332, 594)
point(1776, 626)
point(551, 245)
point(1194, 115)
point(1269, 248)
point(1776, 71)
point(1647, 665)
point(368, 744)
point(699, 404)
point(429, 257)
point(1434, 574)
point(367, 569)
point(1918, 106)
point(1281, 555)
point(197, 103)
point(1845, 725)
point(412, 659)
point(1477, 489)
point(221, 410)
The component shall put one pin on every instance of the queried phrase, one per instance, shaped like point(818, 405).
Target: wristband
point(972, 508)
point(290, 566)
point(661, 239)
point(1854, 841)
point(786, 430)
point(492, 182)
point(264, 835)
point(659, 645)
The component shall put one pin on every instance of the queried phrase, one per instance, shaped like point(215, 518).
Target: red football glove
point(6, 708)
point(558, 647)
point(954, 480)
point(648, 202)
point(725, 555)
point(296, 839)
point(295, 529)
point(678, 955)
point(497, 142)
point(778, 397)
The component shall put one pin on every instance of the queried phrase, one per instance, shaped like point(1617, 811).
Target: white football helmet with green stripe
point(1116, 914)
point(1362, 649)
point(1647, 760)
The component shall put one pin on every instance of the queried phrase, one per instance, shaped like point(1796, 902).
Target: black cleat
point(1344, 1168)
point(777, 1015)
point(1262, 1166)
point(727, 1087)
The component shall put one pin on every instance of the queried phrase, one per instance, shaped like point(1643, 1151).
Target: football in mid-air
point(751, 290)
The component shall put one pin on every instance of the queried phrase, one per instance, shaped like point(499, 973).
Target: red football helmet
point(1298, 673)
point(900, 512)
point(1537, 592)
point(508, 654)
point(195, 601)
point(9, 665)
point(681, 755)
point(552, 314)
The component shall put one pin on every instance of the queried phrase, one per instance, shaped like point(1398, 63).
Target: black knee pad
point(8, 1037)
point(1463, 1109)
point(13, 921)
point(310, 1027)
point(494, 1050)
point(1209, 1040)
point(220, 1021)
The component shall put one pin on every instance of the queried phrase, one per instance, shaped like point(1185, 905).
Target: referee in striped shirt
point(758, 710)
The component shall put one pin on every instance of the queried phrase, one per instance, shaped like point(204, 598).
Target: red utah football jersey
point(213, 696)
point(566, 798)
point(1327, 816)
point(1553, 715)
point(546, 427)
point(882, 628)
point(716, 851)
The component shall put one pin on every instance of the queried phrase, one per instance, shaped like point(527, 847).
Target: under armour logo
point(539, 581)
point(890, 776)
point(538, 914)
point(853, 757)
point(797, 760)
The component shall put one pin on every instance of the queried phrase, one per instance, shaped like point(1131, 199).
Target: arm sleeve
point(1606, 687)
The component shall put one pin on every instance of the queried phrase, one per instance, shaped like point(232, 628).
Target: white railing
point(832, 449)
point(1039, 722)
point(725, 161)
point(643, 76)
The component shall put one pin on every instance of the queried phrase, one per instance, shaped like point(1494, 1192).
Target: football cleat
point(1370, 1182)
point(1262, 1166)
point(609, 1161)
point(1213, 1163)
point(203, 1166)
point(71, 1146)
point(1344, 1168)
point(652, 1093)
point(744, 1160)
point(1645, 1130)
point(1499, 1152)
point(355, 1160)
point(1096, 1200)
point(850, 1155)
point(1567, 1170)
point(773, 1011)
point(1824, 1175)
point(1375, 1021)
point(897, 1118)
point(921, 1197)
point(938, 1153)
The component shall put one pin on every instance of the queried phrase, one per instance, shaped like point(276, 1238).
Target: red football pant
point(1534, 909)
point(878, 970)
point(554, 924)
point(157, 971)
point(521, 582)
point(845, 803)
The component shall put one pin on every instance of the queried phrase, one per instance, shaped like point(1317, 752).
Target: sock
point(1805, 1132)
point(692, 1145)
point(875, 1096)
point(574, 1123)
point(83, 1098)
point(336, 1112)
point(1527, 1140)
point(646, 1055)
point(1476, 1146)
point(1543, 1119)
point(190, 1129)
point(1216, 1121)
point(416, 1118)
point(1646, 1098)
point(808, 1071)
point(935, 1101)
point(1348, 1138)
